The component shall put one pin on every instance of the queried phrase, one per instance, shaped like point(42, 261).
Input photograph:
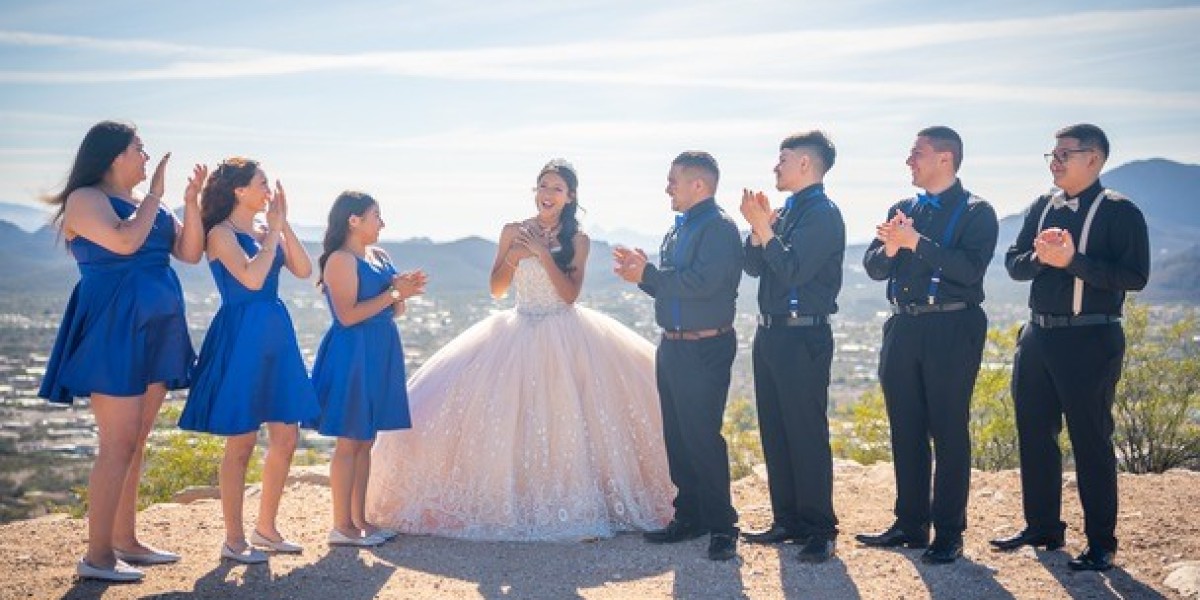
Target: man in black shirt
point(695, 290)
point(1084, 247)
point(797, 254)
point(933, 251)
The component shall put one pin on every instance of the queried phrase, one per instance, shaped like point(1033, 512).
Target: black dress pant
point(1070, 371)
point(693, 385)
point(791, 391)
point(927, 367)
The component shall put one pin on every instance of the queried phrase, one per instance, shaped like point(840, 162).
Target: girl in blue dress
point(250, 370)
point(359, 371)
point(123, 340)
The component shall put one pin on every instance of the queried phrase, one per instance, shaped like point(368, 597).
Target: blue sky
point(446, 110)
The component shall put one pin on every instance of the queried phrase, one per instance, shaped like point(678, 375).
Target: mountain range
point(1168, 193)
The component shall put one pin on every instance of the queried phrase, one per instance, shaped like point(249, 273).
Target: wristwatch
point(395, 294)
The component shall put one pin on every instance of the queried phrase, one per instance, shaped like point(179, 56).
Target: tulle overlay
point(250, 370)
point(124, 326)
point(537, 423)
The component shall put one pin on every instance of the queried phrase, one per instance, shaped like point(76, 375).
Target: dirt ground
point(1159, 526)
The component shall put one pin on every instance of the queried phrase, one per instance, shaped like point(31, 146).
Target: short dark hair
point(1088, 135)
point(944, 139)
point(815, 140)
point(701, 161)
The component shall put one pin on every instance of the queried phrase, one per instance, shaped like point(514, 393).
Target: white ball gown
point(537, 423)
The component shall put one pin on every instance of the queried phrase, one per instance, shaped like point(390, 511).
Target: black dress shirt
point(700, 264)
point(1117, 257)
point(962, 262)
point(805, 256)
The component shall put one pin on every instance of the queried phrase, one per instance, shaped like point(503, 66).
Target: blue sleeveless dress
point(124, 327)
point(359, 372)
point(250, 370)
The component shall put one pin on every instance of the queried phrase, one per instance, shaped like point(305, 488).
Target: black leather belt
point(922, 309)
point(1052, 321)
point(770, 321)
point(700, 334)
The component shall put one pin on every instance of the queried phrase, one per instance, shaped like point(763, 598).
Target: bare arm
point(250, 272)
point(89, 214)
point(507, 256)
point(189, 235)
point(341, 279)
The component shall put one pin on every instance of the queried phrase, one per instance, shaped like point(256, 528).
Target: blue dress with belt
point(250, 370)
point(359, 371)
point(124, 327)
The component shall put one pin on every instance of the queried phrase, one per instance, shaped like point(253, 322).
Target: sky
point(445, 111)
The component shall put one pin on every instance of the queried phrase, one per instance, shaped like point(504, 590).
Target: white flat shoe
point(337, 538)
point(283, 545)
point(120, 573)
point(153, 557)
point(386, 535)
point(249, 556)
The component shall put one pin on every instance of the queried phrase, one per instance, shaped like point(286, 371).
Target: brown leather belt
point(699, 334)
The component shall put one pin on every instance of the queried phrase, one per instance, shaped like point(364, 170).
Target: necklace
point(545, 233)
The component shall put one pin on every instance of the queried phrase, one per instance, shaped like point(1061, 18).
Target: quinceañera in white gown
point(538, 423)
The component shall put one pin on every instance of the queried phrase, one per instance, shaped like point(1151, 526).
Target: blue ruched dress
point(359, 371)
point(250, 370)
point(124, 327)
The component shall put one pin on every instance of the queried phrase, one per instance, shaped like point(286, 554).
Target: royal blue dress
point(359, 372)
point(124, 327)
point(250, 370)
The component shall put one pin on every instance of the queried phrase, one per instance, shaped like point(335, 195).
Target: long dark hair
point(568, 222)
point(347, 203)
point(218, 200)
point(100, 147)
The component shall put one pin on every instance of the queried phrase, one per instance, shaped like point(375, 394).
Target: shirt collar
point(811, 192)
point(700, 207)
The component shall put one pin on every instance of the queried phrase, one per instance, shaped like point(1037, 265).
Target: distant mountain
point(28, 218)
point(1166, 191)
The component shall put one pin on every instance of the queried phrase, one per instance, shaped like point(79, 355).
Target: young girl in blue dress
point(250, 370)
point(359, 371)
point(124, 339)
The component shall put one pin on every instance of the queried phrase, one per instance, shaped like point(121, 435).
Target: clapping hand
point(191, 195)
point(756, 209)
point(157, 181)
point(277, 212)
point(1054, 247)
point(630, 264)
point(410, 283)
point(897, 233)
point(528, 244)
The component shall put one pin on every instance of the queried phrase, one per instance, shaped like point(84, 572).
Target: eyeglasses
point(1062, 156)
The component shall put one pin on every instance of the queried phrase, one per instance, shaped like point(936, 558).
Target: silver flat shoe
point(337, 538)
point(153, 557)
point(249, 556)
point(119, 573)
point(283, 545)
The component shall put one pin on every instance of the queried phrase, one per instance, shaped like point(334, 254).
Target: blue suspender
point(947, 236)
point(682, 231)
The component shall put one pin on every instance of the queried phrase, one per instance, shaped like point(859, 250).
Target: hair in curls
point(218, 199)
point(100, 147)
point(347, 204)
point(568, 222)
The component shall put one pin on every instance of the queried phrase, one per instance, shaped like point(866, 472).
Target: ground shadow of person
point(829, 579)
point(526, 569)
point(92, 588)
point(698, 577)
point(1115, 583)
point(964, 578)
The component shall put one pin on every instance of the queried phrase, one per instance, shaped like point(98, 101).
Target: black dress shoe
point(817, 549)
point(1093, 559)
point(775, 535)
point(722, 546)
point(675, 531)
point(893, 537)
point(943, 550)
point(1028, 538)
